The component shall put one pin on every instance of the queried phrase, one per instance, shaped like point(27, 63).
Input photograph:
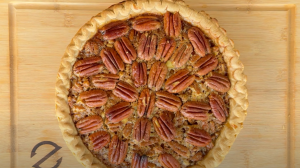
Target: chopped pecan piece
point(181, 55)
point(114, 30)
point(139, 73)
point(164, 126)
point(126, 92)
point(195, 110)
point(113, 127)
point(172, 24)
point(157, 75)
point(119, 112)
point(206, 64)
point(94, 98)
point(218, 107)
point(167, 101)
point(89, 124)
point(99, 140)
point(179, 81)
point(218, 82)
point(146, 103)
point(165, 49)
point(147, 46)
point(112, 60)
point(88, 66)
point(141, 130)
point(125, 50)
point(117, 150)
point(197, 157)
point(168, 161)
point(139, 161)
point(180, 149)
point(105, 81)
point(198, 137)
point(91, 48)
point(146, 23)
point(127, 130)
point(199, 42)
point(151, 141)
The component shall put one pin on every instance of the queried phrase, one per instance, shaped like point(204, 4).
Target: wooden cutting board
point(33, 37)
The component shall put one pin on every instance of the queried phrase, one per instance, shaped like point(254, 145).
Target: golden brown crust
point(124, 10)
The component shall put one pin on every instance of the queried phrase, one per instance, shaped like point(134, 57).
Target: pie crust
point(125, 10)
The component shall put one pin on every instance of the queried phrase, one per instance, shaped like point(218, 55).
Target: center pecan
point(105, 81)
point(179, 81)
point(111, 60)
point(165, 49)
point(167, 101)
point(146, 103)
point(117, 150)
point(94, 98)
point(89, 124)
point(126, 92)
point(88, 66)
point(147, 46)
point(146, 23)
point(125, 50)
point(199, 42)
point(172, 24)
point(119, 112)
point(141, 130)
point(157, 75)
point(114, 30)
point(195, 110)
point(139, 73)
point(164, 126)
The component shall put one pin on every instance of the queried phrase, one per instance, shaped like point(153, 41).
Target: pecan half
point(168, 161)
point(195, 110)
point(125, 50)
point(218, 82)
point(126, 92)
point(117, 150)
point(147, 46)
point(139, 161)
point(181, 55)
point(139, 73)
point(105, 81)
point(99, 140)
point(206, 64)
point(111, 60)
point(141, 130)
point(172, 24)
point(146, 103)
point(180, 149)
point(88, 67)
point(167, 101)
point(94, 98)
point(179, 81)
point(157, 75)
point(114, 30)
point(199, 42)
point(218, 107)
point(165, 49)
point(146, 23)
point(198, 137)
point(119, 112)
point(164, 126)
point(89, 124)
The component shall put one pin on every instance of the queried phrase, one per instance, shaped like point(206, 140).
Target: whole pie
point(151, 84)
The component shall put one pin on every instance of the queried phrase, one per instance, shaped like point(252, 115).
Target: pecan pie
point(151, 84)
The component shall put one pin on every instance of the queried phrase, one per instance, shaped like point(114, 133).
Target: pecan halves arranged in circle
point(198, 137)
point(105, 81)
point(147, 46)
point(139, 73)
point(218, 82)
point(165, 49)
point(114, 30)
point(88, 66)
point(126, 92)
point(167, 101)
point(195, 110)
point(168, 161)
point(139, 161)
point(117, 150)
point(146, 103)
point(157, 75)
point(181, 55)
point(141, 130)
point(218, 107)
point(180, 149)
point(125, 50)
point(164, 126)
point(119, 112)
point(146, 23)
point(172, 24)
point(94, 98)
point(99, 140)
point(89, 124)
point(206, 64)
point(112, 60)
point(179, 81)
point(199, 42)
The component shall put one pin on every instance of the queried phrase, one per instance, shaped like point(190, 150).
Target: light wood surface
point(33, 37)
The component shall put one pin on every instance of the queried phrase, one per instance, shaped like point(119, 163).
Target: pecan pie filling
point(150, 91)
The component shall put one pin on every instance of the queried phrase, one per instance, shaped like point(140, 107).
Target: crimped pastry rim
point(130, 8)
